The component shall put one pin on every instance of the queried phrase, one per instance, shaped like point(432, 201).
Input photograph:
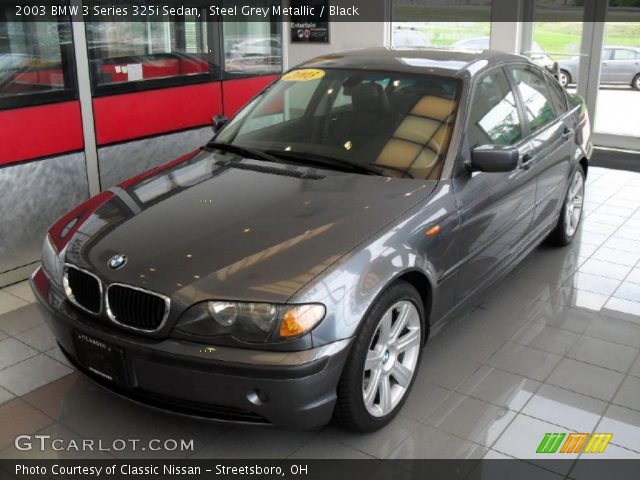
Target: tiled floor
point(555, 347)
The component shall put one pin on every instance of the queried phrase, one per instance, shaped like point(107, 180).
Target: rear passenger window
point(493, 118)
point(536, 99)
point(558, 96)
point(624, 55)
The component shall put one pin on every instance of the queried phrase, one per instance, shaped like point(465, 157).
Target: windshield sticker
point(303, 75)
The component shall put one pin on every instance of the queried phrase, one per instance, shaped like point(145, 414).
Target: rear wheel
point(564, 78)
point(636, 82)
point(571, 213)
point(383, 362)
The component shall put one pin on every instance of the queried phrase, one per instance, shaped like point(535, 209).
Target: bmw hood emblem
point(117, 261)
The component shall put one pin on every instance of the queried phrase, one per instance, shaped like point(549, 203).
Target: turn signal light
point(299, 320)
point(433, 231)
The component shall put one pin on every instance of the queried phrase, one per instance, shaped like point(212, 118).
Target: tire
point(564, 78)
point(636, 82)
point(386, 360)
point(571, 213)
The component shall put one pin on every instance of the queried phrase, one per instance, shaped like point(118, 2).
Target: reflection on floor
point(553, 348)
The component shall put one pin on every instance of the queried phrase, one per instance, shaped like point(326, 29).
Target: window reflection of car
point(23, 73)
point(290, 271)
point(409, 37)
point(256, 47)
point(126, 68)
point(537, 54)
point(620, 66)
point(254, 64)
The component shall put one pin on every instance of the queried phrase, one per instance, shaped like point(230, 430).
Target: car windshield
point(399, 123)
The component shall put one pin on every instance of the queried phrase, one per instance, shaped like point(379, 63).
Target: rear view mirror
point(218, 122)
point(494, 158)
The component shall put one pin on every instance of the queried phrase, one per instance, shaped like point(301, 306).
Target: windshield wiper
point(305, 157)
point(244, 151)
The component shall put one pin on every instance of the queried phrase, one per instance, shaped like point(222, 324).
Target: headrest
point(369, 97)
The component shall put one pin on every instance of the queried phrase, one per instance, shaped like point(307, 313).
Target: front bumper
point(292, 389)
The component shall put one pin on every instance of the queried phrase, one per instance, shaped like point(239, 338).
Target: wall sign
point(310, 28)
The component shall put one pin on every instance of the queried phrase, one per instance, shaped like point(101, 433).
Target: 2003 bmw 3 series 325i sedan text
point(292, 269)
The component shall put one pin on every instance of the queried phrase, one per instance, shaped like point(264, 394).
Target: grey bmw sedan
point(292, 269)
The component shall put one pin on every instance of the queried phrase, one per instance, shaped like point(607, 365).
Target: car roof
point(424, 60)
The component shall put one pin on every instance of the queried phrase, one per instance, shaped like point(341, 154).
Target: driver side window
point(493, 118)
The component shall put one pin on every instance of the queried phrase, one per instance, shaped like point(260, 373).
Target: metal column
point(86, 101)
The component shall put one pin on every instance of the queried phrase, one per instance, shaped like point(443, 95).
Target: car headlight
point(250, 322)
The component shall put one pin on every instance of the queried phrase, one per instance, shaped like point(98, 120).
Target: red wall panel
point(141, 114)
point(32, 132)
point(237, 93)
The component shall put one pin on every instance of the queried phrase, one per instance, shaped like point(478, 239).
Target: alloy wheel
point(392, 358)
point(574, 203)
point(563, 79)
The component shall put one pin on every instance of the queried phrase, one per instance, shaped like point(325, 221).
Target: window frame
point(67, 64)
point(214, 56)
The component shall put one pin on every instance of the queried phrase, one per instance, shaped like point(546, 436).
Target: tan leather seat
point(419, 141)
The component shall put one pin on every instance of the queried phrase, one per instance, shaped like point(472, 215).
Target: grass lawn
point(557, 38)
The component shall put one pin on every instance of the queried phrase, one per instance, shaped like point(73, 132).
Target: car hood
point(219, 226)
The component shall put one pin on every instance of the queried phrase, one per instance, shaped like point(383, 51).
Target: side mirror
point(218, 121)
point(494, 158)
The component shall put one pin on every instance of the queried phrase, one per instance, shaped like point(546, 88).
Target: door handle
point(526, 159)
point(567, 133)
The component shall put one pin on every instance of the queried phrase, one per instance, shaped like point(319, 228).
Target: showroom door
point(617, 91)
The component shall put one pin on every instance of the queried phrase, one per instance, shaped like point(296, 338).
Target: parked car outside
point(620, 66)
point(292, 269)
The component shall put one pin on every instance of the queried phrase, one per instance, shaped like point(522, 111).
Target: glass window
point(399, 122)
point(252, 47)
point(558, 96)
point(36, 60)
point(465, 25)
point(128, 56)
point(619, 69)
point(493, 118)
point(621, 54)
point(536, 99)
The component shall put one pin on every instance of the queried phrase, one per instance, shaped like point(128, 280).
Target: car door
point(625, 64)
point(551, 135)
point(606, 67)
point(495, 209)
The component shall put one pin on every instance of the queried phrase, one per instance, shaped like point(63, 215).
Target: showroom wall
point(342, 36)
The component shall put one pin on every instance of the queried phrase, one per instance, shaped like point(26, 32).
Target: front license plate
point(100, 358)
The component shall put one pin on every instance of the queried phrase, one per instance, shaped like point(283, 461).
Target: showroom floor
point(554, 348)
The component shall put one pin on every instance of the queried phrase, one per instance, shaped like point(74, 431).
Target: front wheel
point(383, 361)
point(571, 213)
point(636, 82)
point(564, 78)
